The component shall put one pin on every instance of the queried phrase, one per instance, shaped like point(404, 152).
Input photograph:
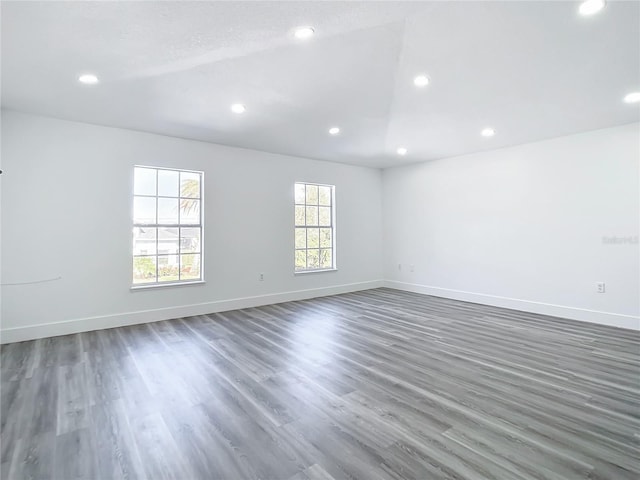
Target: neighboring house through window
point(167, 226)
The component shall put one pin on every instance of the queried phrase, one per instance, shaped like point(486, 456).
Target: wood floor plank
point(73, 398)
point(75, 456)
point(208, 454)
point(314, 472)
point(378, 384)
point(115, 445)
point(161, 458)
point(33, 457)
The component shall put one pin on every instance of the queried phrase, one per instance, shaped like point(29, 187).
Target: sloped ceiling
point(531, 70)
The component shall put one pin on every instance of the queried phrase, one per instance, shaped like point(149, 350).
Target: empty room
point(320, 240)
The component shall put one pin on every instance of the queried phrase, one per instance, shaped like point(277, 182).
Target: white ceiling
point(531, 70)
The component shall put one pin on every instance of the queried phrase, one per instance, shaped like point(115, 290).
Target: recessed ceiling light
point(304, 32)
point(88, 79)
point(488, 132)
point(421, 81)
point(238, 108)
point(334, 130)
point(633, 97)
point(402, 151)
point(589, 7)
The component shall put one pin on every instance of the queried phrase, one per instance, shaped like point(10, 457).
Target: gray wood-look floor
point(379, 384)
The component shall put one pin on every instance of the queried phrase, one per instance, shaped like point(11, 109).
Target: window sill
point(305, 272)
point(165, 285)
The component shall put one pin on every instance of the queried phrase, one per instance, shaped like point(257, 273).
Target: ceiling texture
point(531, 70)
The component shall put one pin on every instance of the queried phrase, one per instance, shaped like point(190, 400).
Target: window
point(167, 226)
point(314, 227)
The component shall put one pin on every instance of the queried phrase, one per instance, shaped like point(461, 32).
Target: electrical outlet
point(600, 287)
point(412, 268)
point(399, 266)
point(261, 277)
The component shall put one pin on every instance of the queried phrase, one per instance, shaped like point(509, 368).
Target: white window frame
point(333, 267)
point(156, 225)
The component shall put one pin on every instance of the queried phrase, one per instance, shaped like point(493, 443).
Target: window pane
point(313, 208)
point(189, 184)
point(301, 259)
point(190, 269)
point(313, 259)
point(324, 195)
point(144, 269)
point(144, 210)
point(144, 181)
point(189, 240)
point(325, 216)
point(325, 237)
point(313, 238)
point(301, 238)
point(325, 258)
point(168, 241)
point(312, 194)
point(162, 197)
point(312, 215)
point(299, 215)
point(168, 268)
point(167, 183)
point(144, 241)
point(189, 211)
point(168, 210)
point(299, 193)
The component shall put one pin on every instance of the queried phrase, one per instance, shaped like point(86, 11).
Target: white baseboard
point(32, 332)
point(43, 330)
point(573, 313)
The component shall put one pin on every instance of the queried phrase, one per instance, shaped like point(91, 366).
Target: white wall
point(66, 194)
point(520, 227)
point(523, 227)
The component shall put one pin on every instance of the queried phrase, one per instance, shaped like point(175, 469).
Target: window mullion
point(319, 248)
point(157, 233)
point(142, 240)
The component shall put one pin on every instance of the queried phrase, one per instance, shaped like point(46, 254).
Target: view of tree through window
point(167, 226)
point(314, 229)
